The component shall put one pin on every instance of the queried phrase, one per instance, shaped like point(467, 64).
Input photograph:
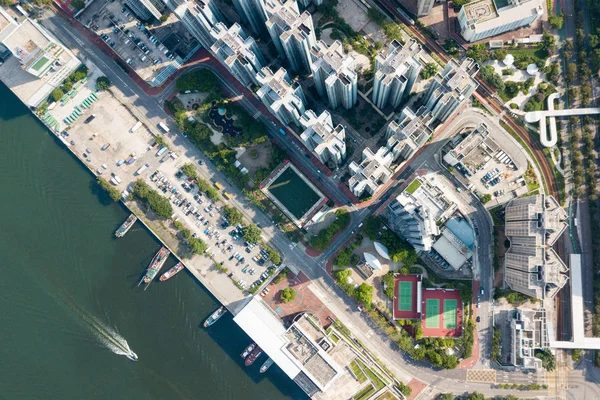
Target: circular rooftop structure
point(509, 60)
point(532, 69)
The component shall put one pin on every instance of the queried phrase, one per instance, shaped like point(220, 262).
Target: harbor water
point(70, 308)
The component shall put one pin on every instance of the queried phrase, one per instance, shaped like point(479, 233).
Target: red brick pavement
point(417, 387)
point(305, 301)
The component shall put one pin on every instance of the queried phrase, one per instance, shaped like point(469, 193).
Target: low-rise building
point(487, 18)
point(451, 88)
point(238, 52)
point(407, 133)
point(334, 74)
point(39, 62)
point(418, 212)
point(531, 266)
point(372, 172)
point(396, 71)
point(283, 98)
point(322, 138)
point(528, 334)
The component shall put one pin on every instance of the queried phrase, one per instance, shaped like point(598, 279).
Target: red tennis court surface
point(453, 297)
point(404, 286)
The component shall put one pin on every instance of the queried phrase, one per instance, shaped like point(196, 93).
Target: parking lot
point(147, 49)
point(489, 163)
point(247, 262)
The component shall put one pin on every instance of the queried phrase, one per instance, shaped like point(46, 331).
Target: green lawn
point(387, 396)
point(536, 53)
point(364, 393)
point(360, 375)
point(414, 185)
point(378, 382)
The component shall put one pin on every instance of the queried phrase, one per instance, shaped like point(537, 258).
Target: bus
point(164, 127)
point(136, 127)
point(218, 186)
point(227, 195)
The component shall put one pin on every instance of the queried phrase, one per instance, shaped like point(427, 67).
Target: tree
point(576, 354)
point(500, 54)
point(287, 295)
point(429, 70)
point(479, 53)
point(102, 83)
point(404, 389)
point(476, 396)
point(186, 233)
point(457, 4)
point(78, 4)
point(111, 190)
point(372, 226)
point(594, 40)
point(251, 233)
point(197, 245)
point(164, 18)
point(274, 256)
point(233, 215)
point(57, 94)
point(548, 42)
point(7, 3)
point(446, 396)
point(202, 80)
point(556, 21)
point(364, 294)
point(486, 198)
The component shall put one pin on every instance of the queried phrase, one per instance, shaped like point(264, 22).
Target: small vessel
point(132, 356)
point(157, 262)
point(171, 272)
point(214, 317)
point(253, 356)
point(266, 365)
point(248, 350)
point(126, 226)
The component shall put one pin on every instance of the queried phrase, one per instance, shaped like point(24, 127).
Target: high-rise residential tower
point(334, 74)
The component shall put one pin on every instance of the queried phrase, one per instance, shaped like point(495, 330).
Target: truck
point(162, 151)
point(165, 158)
point(135, 127)
point(218, 186)
point(282, 131)
point(164, 127)
point(131, 160)
point(89, 119)
point(141, 169)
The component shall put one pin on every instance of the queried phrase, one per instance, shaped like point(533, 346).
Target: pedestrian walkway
point(481, 375)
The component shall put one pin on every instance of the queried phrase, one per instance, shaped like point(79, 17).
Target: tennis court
point(432, 308)
point(449, 314)
point(405, 296)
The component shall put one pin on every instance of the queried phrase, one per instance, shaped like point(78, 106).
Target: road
point(343, 306)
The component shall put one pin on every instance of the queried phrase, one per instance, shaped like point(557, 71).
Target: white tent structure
point(509, 60)
point(532, 69)
point(382, 250)
point(372, 261)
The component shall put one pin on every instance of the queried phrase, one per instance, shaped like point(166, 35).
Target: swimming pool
point(462, 230)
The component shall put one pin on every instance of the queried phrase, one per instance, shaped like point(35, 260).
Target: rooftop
point(332, 59)
point(398, 58)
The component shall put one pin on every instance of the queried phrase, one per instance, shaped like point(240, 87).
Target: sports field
point(405, 296)
point(432, 310)
point(449, 314)
point(293, 193)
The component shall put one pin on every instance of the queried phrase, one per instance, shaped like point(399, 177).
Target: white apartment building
point(335, 74)
point(451, 88)
point(531, 266)
point(528, 334)
point(283, 98)
point(238, 52)
point(396, 71)
point(372, 172)
point(38, 62)
point(487, 18)
point(293, 35)
point(407, 133)
point(327, 142)
point(198, 16)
